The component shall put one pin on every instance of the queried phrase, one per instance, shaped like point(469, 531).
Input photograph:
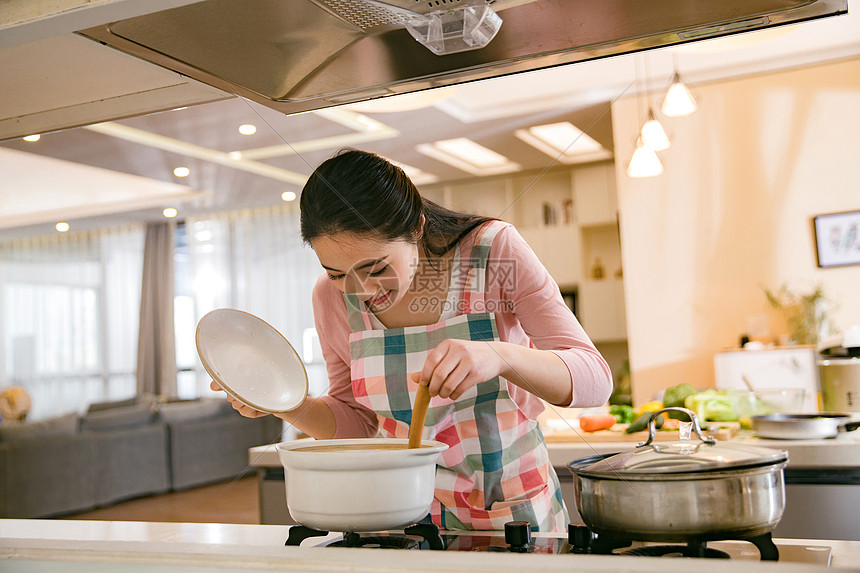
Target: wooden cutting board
point(725, 432)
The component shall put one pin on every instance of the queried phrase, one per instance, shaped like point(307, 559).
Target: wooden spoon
point(419, 413)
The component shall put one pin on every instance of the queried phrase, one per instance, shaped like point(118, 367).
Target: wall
point(732, 213)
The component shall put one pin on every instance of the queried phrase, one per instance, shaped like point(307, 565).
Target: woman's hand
point(243, 409)
point(457, 365)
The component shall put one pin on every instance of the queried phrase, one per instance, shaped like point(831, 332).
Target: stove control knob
point(579, 537)
point(518, 536)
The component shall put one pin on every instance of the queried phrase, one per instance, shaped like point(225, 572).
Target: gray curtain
point(156, 351)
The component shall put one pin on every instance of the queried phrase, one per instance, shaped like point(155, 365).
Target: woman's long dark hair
point(362, 193)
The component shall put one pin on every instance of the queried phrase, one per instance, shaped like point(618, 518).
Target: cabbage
point(711, 406)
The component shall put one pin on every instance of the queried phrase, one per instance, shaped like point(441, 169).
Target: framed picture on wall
point(837, 239)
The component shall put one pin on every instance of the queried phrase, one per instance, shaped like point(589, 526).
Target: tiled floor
point(226, 502)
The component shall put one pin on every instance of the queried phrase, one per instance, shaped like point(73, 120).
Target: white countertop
point(842, 451)
point(28, 546)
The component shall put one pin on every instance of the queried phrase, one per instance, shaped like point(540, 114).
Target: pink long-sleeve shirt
point(528, 309)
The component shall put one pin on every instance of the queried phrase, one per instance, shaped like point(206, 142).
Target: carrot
point(595, 422)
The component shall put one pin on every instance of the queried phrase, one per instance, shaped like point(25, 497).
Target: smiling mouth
point(380, 300)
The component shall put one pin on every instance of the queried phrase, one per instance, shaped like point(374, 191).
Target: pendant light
point(644, 162)
point(679, 99)
point(652, 135)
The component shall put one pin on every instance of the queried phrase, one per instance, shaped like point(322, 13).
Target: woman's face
point(377, 271)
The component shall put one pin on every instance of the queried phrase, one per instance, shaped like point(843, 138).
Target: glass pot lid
point(683, 456)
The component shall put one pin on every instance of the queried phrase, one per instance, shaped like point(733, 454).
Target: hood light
point(455, 29)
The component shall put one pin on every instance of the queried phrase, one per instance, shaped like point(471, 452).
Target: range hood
point(300, 55)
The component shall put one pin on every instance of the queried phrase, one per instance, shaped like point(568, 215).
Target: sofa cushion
point(60, 425)
point(118, 418)
point(99, 406)
point(174, 412)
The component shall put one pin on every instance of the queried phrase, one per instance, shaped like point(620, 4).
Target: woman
point(417, 294)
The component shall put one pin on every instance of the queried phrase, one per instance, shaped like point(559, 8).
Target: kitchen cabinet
point(558, 249)
point(602, 311)
point(594, 195)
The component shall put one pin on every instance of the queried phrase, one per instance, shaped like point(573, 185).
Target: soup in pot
point(354, 447)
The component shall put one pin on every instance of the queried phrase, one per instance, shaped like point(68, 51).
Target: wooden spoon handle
point(419, 413)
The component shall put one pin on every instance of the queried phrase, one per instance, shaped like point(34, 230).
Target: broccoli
point(674, 398)
point(623, 413)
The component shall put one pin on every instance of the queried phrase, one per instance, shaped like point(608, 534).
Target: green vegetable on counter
point(641, 423)
point(675, 396)
point(623, 414)
point(711, 406)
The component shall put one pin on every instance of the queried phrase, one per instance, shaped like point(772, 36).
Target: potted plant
point(807, 315)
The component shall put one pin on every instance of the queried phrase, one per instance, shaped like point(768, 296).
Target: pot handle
point(850, 426)
point(652, 430)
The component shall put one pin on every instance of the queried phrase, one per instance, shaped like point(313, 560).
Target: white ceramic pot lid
point(251, 360)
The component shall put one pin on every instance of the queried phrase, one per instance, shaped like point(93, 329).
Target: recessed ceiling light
point(170, 212)
point(34, 137)
point(62, 227)
point(417, 176)
point(247, 129)
point(469, 156)
point(181, 172)
point(564, 142)
point(288, 196)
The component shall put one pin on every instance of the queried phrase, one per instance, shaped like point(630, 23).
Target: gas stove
point(518, 538)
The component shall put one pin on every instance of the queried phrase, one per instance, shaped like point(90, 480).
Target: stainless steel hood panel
point(298, 55)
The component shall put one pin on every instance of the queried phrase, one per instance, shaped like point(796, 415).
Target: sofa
point(122, 450)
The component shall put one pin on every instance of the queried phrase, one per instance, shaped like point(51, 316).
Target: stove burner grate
point(425, 529)
point(377, 542)
point(676, 551)
point(583, 540)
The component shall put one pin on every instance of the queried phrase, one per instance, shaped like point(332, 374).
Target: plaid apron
point(497, 467)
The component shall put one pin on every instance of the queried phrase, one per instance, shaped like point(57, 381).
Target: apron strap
point(356, 313)
point(474, 283)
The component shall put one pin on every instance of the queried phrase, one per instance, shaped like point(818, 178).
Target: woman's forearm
point(313, 417)
point(541, 372)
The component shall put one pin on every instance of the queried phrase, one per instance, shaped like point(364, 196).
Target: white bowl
point(359, 490)
point(251, 361)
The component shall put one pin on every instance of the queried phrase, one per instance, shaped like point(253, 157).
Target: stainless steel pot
point(682, 491)
point(352, 485)
point(802, 426)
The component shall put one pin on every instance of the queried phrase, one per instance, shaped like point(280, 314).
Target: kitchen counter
point(822, 482)
point(839, 452)
point(136, 547)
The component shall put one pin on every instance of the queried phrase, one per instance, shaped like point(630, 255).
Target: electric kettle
point(839, 372)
